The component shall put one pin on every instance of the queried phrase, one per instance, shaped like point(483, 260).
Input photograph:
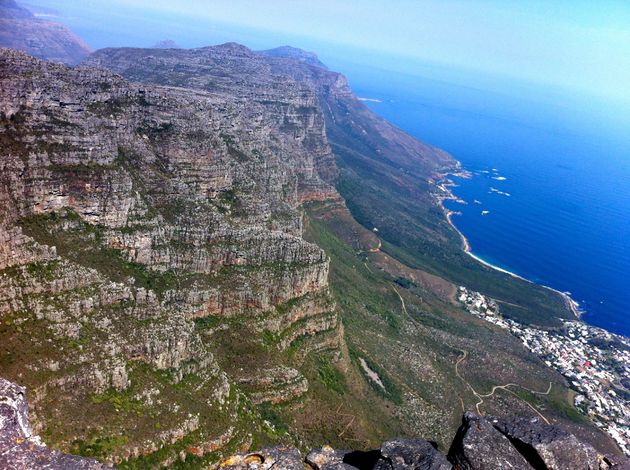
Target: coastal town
point(595, 363)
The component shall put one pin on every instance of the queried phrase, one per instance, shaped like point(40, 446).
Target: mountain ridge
point(217, 245)
point(20, 29)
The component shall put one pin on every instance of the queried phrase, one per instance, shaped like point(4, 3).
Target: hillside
point(514, 442)
point(189, 265)
point(21, 30)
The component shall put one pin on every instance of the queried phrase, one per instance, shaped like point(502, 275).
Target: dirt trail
point(481, 396)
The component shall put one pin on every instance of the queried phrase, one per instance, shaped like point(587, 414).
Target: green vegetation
point(121, 401)
point(229, 202)
point(270, 414)
point(98, 447)
point(413, 350)
point(331, 376)
point(269, 338)
point(208, 322)
point(83, 243)
point(415, 232)
point(391, 391)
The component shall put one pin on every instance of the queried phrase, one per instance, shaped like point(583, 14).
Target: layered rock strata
point(133, 217)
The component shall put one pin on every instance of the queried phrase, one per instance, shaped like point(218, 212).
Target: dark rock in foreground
point(488, 443)
point(410, 454)
point(480, 444)
point(547, 446)
point(19, 448)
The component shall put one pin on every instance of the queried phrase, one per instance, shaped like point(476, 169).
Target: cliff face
point(480, 443)
point(135, 218)
point(19, 29)
point(158, 294)
point(234, 69)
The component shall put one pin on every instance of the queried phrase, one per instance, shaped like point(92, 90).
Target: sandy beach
point(571, 304)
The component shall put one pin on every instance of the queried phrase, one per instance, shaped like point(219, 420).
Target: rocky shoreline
point(444, 184)
point(620, 430)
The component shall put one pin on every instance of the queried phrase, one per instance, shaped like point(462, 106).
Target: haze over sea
point(552, 172)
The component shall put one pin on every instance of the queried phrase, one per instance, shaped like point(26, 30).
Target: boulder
point(547, 446)
point(19, 448)
point(278, 458)
point(479, 446)
point(328, 458)
point(411, 454)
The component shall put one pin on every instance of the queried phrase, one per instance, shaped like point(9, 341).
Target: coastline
point(445, 186)
point(568, 350)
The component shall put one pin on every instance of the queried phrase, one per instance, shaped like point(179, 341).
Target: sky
point(578, 45)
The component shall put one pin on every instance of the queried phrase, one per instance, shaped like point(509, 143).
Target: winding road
point(480, 396)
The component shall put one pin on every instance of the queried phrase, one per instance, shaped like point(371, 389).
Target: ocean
point(549, 196)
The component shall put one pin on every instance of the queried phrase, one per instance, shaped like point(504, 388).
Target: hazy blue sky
point(584, 45)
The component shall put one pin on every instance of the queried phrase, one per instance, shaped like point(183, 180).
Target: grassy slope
point(414, 230)
point(415, 349)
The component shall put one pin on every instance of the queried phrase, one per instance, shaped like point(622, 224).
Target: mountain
point(148, 216)
point(20, 29)
point(309, 58)
point(214, 249)
point(166, 44)
point(11, 10)
point(514, 443)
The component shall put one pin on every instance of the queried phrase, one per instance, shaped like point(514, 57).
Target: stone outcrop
point(20, 29)
point(132, 217)
point(549, 446)
point(515, 442)
point(280, 458)
point(19, 448)
point(480, 444)
point(408, 454)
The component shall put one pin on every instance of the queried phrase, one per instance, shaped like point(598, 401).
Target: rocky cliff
point(19, 448)
point(480, 443)
point(134, 220)
point(183, 232)
point(20, 29)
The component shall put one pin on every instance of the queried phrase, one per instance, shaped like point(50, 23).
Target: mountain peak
point(233, 48)
point(166, 44)
point(296, 53)
point(10, 9)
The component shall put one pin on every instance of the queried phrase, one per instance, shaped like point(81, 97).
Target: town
point(595, 363)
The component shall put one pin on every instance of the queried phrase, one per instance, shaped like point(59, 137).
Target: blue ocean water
point(550, 194)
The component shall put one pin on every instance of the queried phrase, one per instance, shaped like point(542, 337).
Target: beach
point(447, 194)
